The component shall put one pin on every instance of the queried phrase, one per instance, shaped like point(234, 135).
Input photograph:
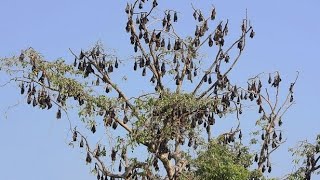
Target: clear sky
point(33, 143)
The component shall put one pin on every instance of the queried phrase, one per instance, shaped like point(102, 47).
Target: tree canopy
point(172, 120)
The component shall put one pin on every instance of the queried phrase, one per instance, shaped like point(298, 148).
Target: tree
point(220, 162)
point(175, 116)
point(308, 153)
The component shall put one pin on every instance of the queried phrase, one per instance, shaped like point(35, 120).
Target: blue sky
point(33, 142)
